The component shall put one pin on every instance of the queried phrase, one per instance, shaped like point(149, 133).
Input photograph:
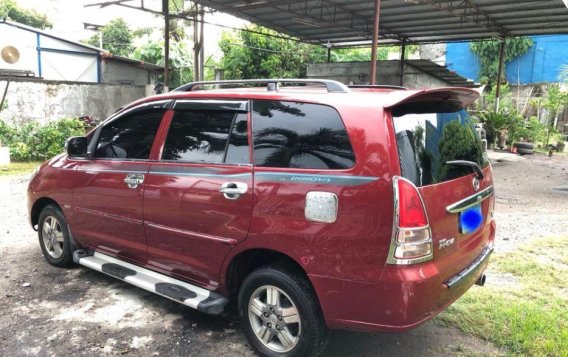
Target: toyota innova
point(310, 204)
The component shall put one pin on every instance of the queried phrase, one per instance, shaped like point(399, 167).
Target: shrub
point(34, 142)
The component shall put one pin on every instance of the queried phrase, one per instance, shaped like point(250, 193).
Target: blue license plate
point(471, 219)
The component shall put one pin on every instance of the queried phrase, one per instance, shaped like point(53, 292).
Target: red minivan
point(311, 204)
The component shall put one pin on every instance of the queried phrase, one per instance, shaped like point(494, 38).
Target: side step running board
point(177, 290)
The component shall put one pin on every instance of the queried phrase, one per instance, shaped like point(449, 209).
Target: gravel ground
point(49, 311)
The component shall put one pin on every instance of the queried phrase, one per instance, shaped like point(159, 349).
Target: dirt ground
point(48, 311)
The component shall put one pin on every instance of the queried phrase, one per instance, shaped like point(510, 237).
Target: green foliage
point(528, 317)
point(563, 76)
point(117, 38)
point(554, 102)
point(492, 122)
point(252, 55)
point(249, 55)
point(488, 54)
point(358, 54)
point(11, 11)
point(34, 142)
point(181, 62)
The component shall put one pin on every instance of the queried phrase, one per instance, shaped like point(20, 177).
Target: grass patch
point(529, 317)
point(17, 168)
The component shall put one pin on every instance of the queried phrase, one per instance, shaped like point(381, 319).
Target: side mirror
point(76, 146)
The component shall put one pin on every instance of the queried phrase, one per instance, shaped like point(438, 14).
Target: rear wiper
point(474, 165)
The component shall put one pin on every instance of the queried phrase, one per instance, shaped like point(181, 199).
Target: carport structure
point(338, 23)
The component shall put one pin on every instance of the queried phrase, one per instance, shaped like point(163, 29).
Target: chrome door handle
point(133, 180)
point(233, 190)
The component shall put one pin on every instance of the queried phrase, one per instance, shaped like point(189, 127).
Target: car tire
point(53, 234)
point(522, 151)
point(287, 324)
point(524, 145)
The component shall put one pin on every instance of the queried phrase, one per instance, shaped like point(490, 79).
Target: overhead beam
point(493, 26)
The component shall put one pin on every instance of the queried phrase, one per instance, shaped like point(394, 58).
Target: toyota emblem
point(475, 184)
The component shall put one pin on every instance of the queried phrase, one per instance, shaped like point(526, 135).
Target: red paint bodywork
point(182, 226)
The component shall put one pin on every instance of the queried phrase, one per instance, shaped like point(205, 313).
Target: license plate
point(471, 219)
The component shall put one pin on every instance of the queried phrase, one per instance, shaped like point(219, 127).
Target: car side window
point(130, 136)
point(300, 135)
point(205, 135)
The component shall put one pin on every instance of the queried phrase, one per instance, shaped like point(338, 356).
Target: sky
point(68, 17)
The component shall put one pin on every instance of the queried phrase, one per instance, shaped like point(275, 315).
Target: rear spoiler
point(465, 96)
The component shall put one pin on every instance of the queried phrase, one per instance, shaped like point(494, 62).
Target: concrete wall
point(44, 101)
point(387, 73)
point(114, 72)
point(541, 64)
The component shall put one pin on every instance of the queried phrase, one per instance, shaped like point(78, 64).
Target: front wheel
point(53, 234)
point(280, 314)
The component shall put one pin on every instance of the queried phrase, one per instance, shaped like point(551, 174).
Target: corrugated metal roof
point(441, 72)
point(412, 21)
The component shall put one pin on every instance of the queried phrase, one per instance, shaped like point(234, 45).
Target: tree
point(250, 54)
point(253, 55)
point(554, 102)
point(117, 38)
point(10, 10)
point(488, 54)
point(180, 60)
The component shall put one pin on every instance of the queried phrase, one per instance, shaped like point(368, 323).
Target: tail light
point(412, 239)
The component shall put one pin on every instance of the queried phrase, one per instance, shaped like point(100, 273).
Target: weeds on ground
point(17, 168)
point(529, 317)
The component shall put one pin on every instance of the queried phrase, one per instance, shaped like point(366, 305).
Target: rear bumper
point(404, 298)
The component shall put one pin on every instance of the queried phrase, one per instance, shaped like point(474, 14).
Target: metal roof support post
point(201, 43)
point(166, 11)
point(499, 74)
point(375, 42)
point(401, 64)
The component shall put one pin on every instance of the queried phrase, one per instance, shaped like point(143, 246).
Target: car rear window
point(300, 135)
point(430, 134)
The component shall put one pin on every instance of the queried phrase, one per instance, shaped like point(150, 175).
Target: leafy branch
point(488, 54)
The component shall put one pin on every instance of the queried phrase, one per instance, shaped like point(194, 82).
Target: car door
point(198, 197)
point(107, 202)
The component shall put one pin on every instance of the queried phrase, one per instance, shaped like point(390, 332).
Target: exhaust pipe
point(481, 280)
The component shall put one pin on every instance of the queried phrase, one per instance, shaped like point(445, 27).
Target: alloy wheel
point(274, 318)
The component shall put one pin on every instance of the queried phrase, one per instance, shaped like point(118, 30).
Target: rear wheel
point(53, 236)
point(280, 314)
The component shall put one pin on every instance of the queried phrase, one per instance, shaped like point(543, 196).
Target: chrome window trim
point(470, 201)
point(212, 104)
point(391, 259)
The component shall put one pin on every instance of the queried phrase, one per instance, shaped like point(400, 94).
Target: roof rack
point(378, 86)
point(272, 85)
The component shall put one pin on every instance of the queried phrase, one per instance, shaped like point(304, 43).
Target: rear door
point(198, 197)
point(429, 135)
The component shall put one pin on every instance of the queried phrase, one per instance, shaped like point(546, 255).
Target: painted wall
point(49, 58)
point(387, 73)
point(541, 64)
point(42, 101)
point(114, 72)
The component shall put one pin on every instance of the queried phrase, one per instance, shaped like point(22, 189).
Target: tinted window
point(426, 141)
point(299, 135)
point(203, 136)
point(130, 136)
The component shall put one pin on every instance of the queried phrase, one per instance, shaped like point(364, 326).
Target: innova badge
point(475, 184)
